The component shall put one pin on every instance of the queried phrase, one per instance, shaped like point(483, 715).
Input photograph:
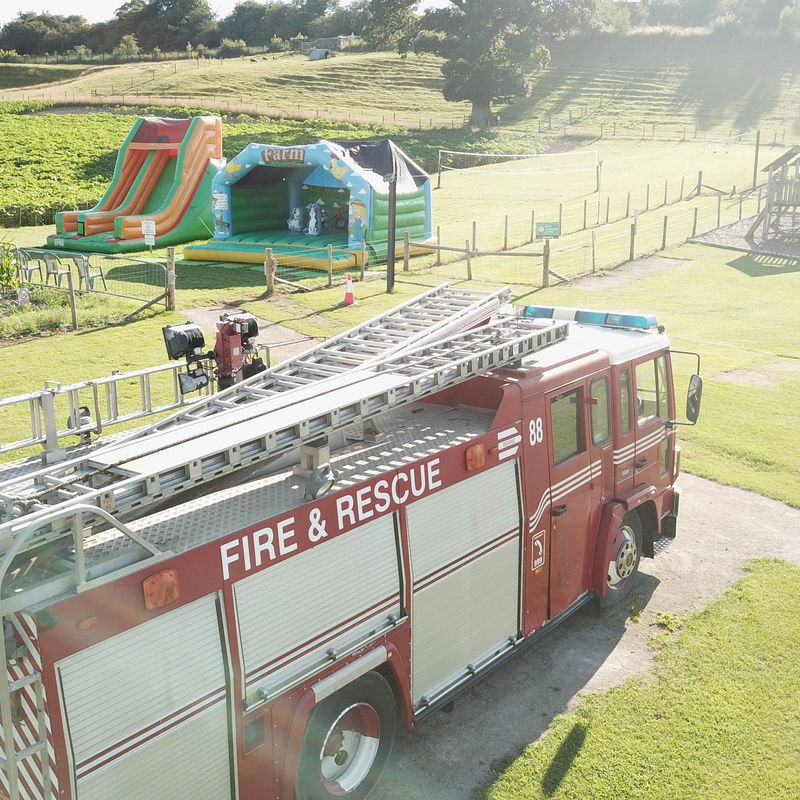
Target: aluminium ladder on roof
point(435, 314)
point(141, 472)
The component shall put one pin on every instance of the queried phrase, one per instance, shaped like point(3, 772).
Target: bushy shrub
point(230, 48)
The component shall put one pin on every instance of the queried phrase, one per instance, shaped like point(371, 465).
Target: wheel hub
point(349, 749)
point(624, 562)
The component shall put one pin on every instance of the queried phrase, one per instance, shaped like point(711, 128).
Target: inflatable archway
point(300, 199)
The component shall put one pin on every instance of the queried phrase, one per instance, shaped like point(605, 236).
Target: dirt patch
point(627, 273)
point(768, 375)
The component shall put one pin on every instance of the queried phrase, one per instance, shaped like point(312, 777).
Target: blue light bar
point(610, 319)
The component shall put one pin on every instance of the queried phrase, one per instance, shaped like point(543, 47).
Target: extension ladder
point(131, 475)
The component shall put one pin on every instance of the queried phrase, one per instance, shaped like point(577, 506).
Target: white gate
point(464, 545)
point(146, 710)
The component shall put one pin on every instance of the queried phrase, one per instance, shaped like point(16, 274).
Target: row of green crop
point(51, 162)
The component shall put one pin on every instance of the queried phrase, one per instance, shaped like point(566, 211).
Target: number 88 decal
point(535, 433)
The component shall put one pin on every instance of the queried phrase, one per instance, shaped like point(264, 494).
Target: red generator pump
point(235, 352)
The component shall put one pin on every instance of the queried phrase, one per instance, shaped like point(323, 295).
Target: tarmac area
point(455, 755)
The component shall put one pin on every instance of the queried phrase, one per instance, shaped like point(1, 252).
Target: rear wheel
point(625, 557)
point(347, 742)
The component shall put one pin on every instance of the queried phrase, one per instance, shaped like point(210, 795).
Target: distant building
point(333, 43)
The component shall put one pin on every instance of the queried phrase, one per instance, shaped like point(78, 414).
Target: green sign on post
point(548, 230)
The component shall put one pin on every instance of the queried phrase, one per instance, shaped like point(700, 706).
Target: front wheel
point(624, 563)
point(348, 740)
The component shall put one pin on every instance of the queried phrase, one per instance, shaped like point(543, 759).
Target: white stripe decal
point(503, 454)
point(510, 441)
point(562, 489)
point(507, 432)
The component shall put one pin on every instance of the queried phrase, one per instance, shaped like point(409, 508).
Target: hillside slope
point(714, 83)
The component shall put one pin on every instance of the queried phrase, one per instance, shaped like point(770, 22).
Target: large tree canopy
point(490, 46)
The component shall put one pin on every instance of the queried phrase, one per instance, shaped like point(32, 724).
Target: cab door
point(570, 503)
point(652, 456)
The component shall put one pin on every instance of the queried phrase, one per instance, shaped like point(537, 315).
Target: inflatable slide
point(163, 173)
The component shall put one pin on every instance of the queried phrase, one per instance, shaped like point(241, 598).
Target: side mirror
point(693, 397)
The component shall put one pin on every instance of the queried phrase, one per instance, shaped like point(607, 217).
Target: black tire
point(627, 554)
point(367, 704)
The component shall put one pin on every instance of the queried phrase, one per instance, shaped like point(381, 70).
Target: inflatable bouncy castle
point(297, 200)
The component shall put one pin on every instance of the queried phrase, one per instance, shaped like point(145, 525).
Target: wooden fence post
point(683, 179)
point(628, 206)
point(598, 175)
point(169, 300)
point(73, 309)
point(438, 246)
point(719, 210)
point(594, 251)
point(608, 208)
point(664, 233)
point(666, 191)
point(647, 199)
point(505, 233)
point(694, 222)
point(560, 213)
point(633, 242)
point(406, 250)
point(699, 182)
point(474, 235)
point(363, 258)
point(546, 265)
point(330, 265)
point(740, 206)
point(585, 201)
point(469, 260)
point(269, 271)
point(533, 223)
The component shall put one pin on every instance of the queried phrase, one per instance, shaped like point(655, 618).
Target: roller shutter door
point(329, 597)
point(464, 545)
point(146, 710)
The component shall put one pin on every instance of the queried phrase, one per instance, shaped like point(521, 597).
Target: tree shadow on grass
point(562, 760)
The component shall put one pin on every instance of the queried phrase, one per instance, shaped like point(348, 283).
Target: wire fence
point(118, 275)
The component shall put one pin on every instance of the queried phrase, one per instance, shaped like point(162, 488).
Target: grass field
point(716, 83)
point(13, 76)
point(719, 721)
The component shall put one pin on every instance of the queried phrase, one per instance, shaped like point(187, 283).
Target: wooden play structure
point(780, 217)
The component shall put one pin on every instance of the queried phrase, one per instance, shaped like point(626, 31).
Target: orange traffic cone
point(349, 298)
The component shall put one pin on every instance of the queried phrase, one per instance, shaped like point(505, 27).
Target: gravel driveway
point(453, 755)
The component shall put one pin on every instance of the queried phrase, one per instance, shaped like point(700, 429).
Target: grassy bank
point(719, 721)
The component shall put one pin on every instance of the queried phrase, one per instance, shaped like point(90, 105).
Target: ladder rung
point(27, 752)
point(21, 683)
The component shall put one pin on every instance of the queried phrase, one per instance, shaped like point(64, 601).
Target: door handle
point(641, 463)
point(559, 510)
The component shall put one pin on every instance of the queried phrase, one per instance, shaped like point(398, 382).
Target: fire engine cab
point(246, 599)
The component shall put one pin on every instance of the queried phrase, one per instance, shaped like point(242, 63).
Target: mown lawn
point(13, 76)
point(721, 719)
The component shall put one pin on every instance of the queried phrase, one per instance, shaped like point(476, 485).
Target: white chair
point(88, 275)
point(53, 268)
point(27, 265)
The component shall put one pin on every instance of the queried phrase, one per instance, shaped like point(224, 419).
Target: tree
point(391, 24)
point(128, 47)
point(489, 46)
point(790, 20)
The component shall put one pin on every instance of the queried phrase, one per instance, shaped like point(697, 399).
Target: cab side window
point(566, 419)
point(625, 401)
point(652, 394)
point(601, 422)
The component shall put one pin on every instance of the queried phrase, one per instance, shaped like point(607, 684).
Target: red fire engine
point(246, 599)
